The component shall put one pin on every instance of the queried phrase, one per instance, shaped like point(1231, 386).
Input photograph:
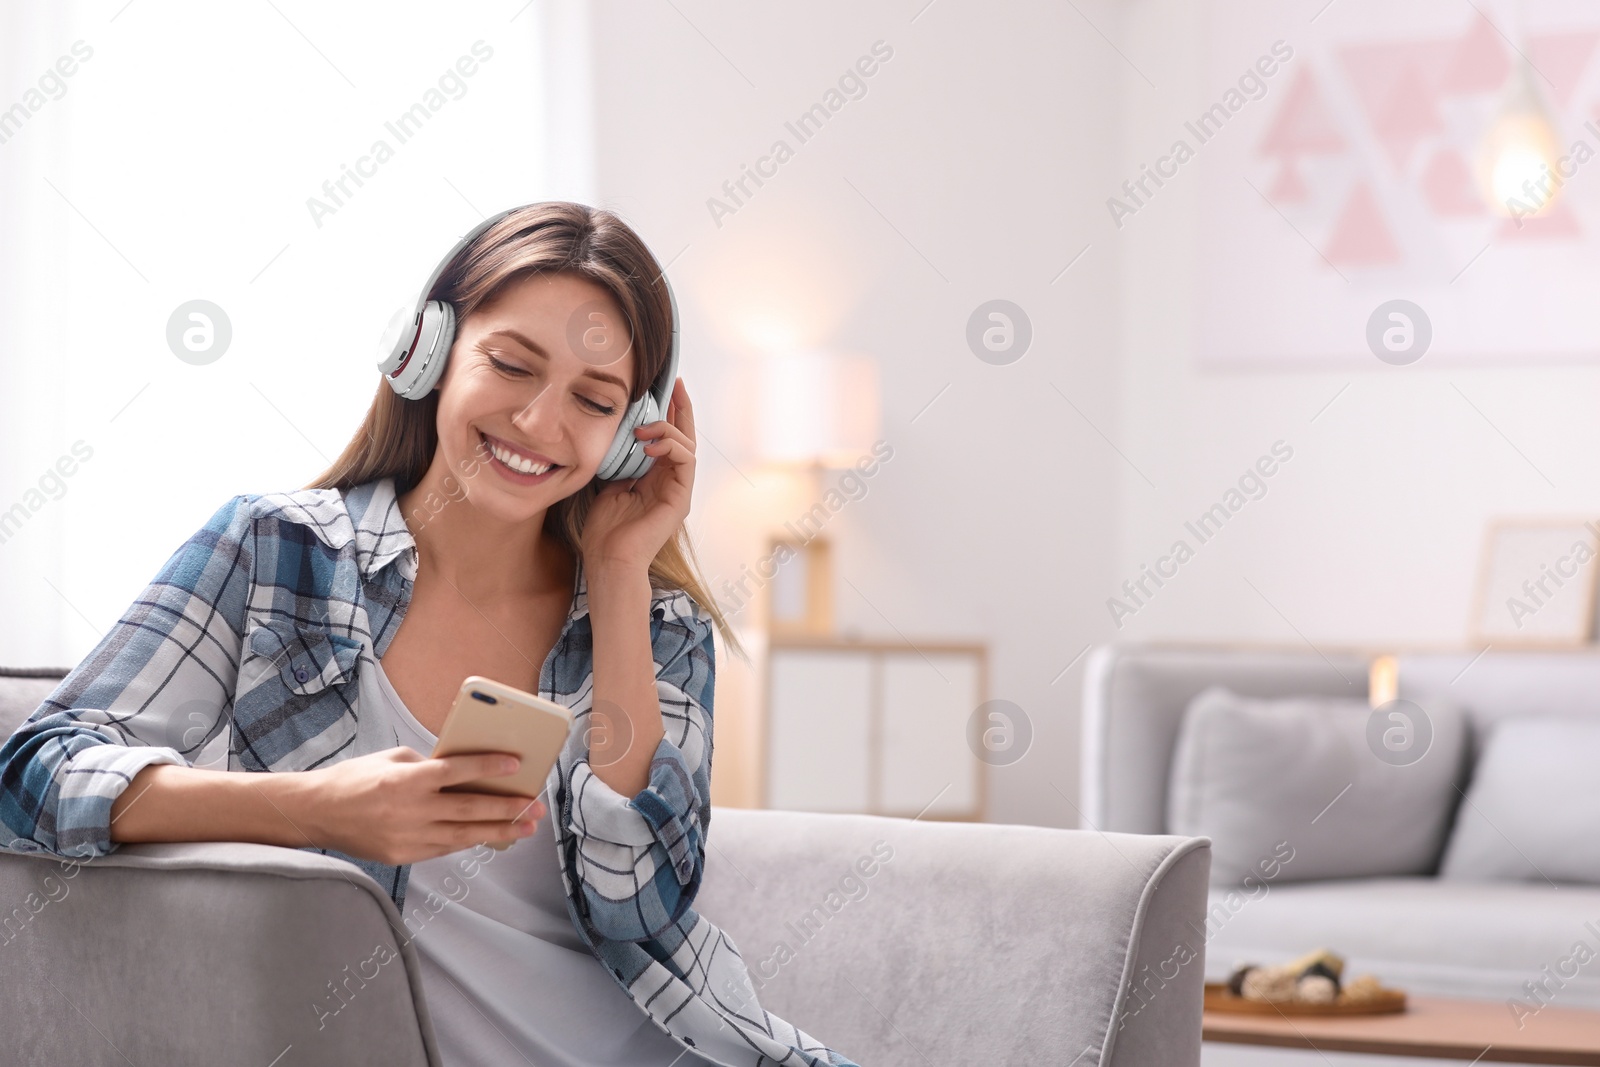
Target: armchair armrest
point(205, 953)
point(905, 942)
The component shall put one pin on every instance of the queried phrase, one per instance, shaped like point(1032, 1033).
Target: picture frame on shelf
point(1536, 583)
point(800, 595)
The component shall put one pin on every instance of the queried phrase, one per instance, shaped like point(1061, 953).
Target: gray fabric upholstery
point(974, 938)
point(1463, 939)
point(970, 938)
point(1158, 1019)
point(1134, 698)
point(21, 693)
point(1474, 939)
point(970, 941)
point(1503, 683)
point(1253, 774)
point(204, 953)
point(1533, 813)
point(1133, 703)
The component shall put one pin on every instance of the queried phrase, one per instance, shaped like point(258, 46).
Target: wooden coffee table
point(1481, 1031)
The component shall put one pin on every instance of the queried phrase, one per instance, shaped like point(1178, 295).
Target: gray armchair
point(970, 943)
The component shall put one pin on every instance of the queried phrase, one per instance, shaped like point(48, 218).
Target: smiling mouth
point(513, 460)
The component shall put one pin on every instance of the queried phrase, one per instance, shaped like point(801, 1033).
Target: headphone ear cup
point(426, 364)
point(626, 458)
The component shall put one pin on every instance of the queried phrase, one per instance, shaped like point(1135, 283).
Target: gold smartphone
point(489, 716)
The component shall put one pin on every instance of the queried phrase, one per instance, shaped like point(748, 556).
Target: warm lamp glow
point(770, 332)
point(784, 281)
point(1517, 159)
point(817, 407)
point(1383, 680)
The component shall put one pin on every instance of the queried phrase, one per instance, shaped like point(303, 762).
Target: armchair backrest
point(22, 691)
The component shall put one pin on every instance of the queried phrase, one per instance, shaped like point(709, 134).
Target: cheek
point(597, 438)
point(452, 422)
point(462, 403)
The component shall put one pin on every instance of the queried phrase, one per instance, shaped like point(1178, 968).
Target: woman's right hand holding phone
point(388, 806)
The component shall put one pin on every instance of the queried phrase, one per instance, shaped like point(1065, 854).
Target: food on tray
point(1314, 978)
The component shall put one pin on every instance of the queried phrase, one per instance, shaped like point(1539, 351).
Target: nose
point(529, 414)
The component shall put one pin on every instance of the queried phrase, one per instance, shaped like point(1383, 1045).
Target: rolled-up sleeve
point(640, 859)
point(154, 690)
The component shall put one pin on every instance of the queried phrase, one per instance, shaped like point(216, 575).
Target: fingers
point(683, 409)
point(485, 807)
point(680, 413)
point(661, 428)
point(460, 835)
point(471, 766)
point(673, 452)
point(654, 432)
point(467, 819)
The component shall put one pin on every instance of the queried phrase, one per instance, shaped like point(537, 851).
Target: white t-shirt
point(507, 978)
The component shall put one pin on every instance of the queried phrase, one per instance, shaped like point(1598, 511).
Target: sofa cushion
point(1532, 812)
point(1134, 698)
point(1423, 935)
point(1290, 790)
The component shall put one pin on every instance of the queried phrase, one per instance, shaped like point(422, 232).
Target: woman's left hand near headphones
point(630, 520)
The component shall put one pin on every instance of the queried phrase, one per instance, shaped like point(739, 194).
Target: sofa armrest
point(1134, 697)
point(205, 953)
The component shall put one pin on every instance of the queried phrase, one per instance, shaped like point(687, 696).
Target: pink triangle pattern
point(1559, 223)
point(1479, 63)
point(1561, 57)
point(1447, 186)
point(1376, 70)
point(1303, 124)
point(1289, 187)
point(1408, 115)
point(1360, 237)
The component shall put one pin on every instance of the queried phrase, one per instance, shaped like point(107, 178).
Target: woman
point(329, 628)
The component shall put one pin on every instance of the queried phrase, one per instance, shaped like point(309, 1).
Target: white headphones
point(417, 341)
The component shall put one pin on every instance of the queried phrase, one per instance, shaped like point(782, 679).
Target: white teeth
point(516, 462)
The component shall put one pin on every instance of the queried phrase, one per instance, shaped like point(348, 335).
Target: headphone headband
point(449, 257)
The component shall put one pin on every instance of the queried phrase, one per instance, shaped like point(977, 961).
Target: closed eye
point(505, 367)
point(594, 406)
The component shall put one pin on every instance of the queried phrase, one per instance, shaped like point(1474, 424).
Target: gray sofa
point(1477, 939)
point(974, 943)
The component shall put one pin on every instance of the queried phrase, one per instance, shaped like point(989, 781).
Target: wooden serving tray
point(1220, 998)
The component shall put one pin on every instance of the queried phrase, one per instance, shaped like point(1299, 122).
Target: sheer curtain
point(297, 167)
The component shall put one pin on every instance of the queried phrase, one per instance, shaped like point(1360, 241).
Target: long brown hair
point(398, 437)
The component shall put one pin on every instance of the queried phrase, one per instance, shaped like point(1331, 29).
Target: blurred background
point(986, 310)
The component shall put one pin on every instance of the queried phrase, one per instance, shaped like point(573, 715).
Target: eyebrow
point(532, 347)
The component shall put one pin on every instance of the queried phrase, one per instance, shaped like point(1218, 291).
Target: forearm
point(165, 802)
point(624, 680)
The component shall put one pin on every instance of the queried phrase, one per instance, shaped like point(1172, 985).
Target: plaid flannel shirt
point(249, 641)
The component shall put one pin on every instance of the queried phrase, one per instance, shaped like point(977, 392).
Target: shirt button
point(301, 674)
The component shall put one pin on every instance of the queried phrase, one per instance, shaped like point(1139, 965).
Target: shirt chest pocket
point(296, 697)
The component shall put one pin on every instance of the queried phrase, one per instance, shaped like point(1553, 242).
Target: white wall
point(1371, 534)
point(986, 142)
